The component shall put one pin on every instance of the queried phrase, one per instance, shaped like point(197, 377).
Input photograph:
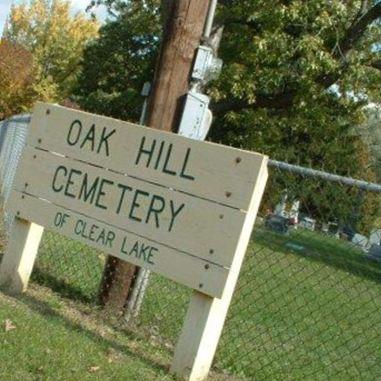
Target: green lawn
point(310, 313)
point(52, 340)
point(307, 306)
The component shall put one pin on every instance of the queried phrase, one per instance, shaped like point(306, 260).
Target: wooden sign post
point(182, 208)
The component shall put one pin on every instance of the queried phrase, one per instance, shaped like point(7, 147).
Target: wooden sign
point(182, 208)
point(158, 213)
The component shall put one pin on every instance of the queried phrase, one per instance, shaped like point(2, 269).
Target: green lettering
point(135, 249)
point(89, 137)
point(70, 182)
point(174, 213)
point(123, 248)
point(144, 252)
point(145, 151)
point(121, 199)
point(165, 169)
point(78, 228)
point(159, 155)
point(69, 137)
point(136, 205)
point(150, 255)
point(183, 169)
point(87, 192)
point(102, 193)
point(157, 205)
point(104, 140)
point(54, 187)
point(93, 229)
point(110, 238)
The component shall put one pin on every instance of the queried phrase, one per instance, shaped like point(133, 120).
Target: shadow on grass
point(321, 248)
point(46, 310)
point(62, 287)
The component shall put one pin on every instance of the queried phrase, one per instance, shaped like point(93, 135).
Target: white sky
point(77, 5)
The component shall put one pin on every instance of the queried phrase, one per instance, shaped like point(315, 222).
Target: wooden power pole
point(184, 25)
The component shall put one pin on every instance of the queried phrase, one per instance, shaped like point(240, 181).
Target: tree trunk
point(185, 20)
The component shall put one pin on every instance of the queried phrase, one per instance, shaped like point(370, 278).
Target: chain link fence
point(308, 301)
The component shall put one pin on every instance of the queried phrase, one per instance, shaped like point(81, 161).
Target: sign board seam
point(208, 279)
point(140, 179)
point(199, 216)
point(117, 227)
point(223, 174)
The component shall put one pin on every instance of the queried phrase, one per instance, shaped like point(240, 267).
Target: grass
point(307, 306)
point(54, 341)
point(309, 312)
point(306, 314)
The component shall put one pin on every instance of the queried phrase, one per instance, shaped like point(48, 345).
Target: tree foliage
point(275, 94)
point(120, 61)
point(296, 77)
point(16, 79)
point(55, 39)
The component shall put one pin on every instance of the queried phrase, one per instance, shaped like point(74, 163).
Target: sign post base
point(206, 315)
point(17, 264)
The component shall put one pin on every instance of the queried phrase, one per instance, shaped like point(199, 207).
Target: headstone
point(375, 237)
point(280, 209)
point(375, 253)
point(361, 242)
point(295, 208)
point(308, 223)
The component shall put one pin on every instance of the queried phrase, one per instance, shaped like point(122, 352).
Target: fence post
point(21, 252)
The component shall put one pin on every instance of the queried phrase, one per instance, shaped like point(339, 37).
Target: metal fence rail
point(297, 169)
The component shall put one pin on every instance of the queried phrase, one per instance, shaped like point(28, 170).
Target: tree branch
point(356, 31)
point(286, 98)
point(352, 35)
point(376, 64)
point(277, 101)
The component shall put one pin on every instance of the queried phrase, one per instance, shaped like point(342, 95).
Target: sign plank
point(185, 269)
point(202, 228)
point(223, 174)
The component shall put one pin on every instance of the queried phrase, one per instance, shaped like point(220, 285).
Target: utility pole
point(184, 26)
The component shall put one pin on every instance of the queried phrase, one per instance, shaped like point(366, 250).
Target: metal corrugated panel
point(13, 133)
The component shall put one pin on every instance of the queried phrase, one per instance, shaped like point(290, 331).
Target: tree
point(116, 65)
point(276, 96)
point(56, 41)
point(296, 77)
point(16, 79)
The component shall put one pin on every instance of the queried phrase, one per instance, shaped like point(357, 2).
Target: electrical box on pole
point(197, 118)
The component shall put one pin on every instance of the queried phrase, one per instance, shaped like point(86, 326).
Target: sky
point(77, 5)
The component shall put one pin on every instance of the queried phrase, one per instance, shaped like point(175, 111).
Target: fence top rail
point(349, 181)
